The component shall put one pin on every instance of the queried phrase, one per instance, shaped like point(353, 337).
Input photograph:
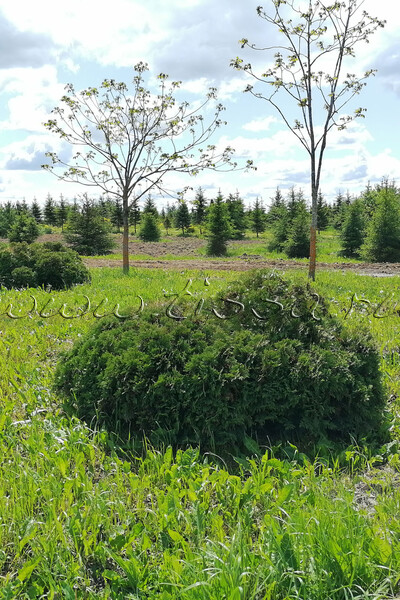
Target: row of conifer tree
point(288, 217)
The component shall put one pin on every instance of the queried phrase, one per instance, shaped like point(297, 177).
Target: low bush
point(274, 366)
point(49, 264)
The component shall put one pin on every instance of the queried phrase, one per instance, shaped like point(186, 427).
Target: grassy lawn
point(80, 518)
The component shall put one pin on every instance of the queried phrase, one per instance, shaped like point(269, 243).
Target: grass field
point(328, 249)
point(80, 517)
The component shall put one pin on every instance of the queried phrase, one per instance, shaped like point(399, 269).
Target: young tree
point(237, 216)
point(182, 217)
point(62, 212)
point(382, 242)
point(167, 222)
point(8, 215)
point(298, 240)
point(150, 231)
point(150, 207)
point(24, 229)
point(274, 210)
point(280, 230)
point(87, 232)
point(352, 233)
point(258, 217)
point(36, 211)
point(200, 209)
point(322, 213)
point(22, 207)
point(315, 34)
point(134, 138)
point(49, 211)
point(134, 214)
point(219, 227)
point(116, 214)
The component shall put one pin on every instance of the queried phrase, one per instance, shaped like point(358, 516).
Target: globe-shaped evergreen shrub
point(49, 264)
point(266, 360)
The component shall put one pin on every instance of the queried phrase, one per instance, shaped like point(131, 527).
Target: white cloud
point(36, 92)
point(23, 48)
point(29, 154)
point(263, 124)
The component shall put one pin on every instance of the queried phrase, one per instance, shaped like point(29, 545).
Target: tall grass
point(82, 518)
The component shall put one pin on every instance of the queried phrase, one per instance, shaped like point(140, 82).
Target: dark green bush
point(24, 277)
point(49, 264)
point(298, 374)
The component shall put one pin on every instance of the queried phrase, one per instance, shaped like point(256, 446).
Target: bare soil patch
point(153, 253)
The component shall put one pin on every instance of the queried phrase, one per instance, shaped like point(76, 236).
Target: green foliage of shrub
point(289, 370)
point(23, 277)
point(49, 264)
point(24, 229)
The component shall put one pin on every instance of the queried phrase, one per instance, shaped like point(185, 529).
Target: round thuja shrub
point(265, 360)
point(59, 267)
point(50, 264)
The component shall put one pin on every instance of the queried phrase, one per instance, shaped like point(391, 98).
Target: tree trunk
point(125, 235)
point(313, 235)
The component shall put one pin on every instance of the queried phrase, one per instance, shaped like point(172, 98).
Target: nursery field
point(86, 516)
point(177, 251)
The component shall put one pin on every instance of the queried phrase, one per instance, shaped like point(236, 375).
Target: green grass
point(82, 519)
point(328, 248)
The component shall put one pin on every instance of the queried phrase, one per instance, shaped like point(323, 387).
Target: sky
point(44, 46)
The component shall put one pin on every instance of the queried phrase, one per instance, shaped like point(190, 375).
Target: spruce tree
point(237, 216)
point(36, 211)
point(280, 230)
point(182, 217)
point(149, 231)
point(382, 242)
point(62, 212)
point(200, 209)
point(339, 209)
point(116, 213)
point(167, 222)
point(274, 211)
point(258, 217)
point(87, 232)
point(8, 214)
point(49, 211)
point(219, 228)
point(322, 213)
point(134, 214)
point(369, 200)
point(24, 229)
point(352, 233)
point(150, 207)
point(298, 242)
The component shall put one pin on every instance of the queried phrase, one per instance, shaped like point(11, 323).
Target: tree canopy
point(307, 69)
point(126, 141)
